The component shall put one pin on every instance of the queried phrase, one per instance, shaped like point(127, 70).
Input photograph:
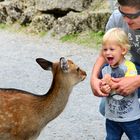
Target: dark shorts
point(115, 130)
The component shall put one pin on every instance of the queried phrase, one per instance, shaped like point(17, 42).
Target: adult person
point(127, 17)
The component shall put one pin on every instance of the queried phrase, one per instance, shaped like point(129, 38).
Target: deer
point(23, 114)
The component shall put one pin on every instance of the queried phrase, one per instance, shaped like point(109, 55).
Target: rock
point(78, 22)
point(62, 5)
point(12, 10)
point(3, 13)
point(28, 15)
point(41, 23)
point(62, 16)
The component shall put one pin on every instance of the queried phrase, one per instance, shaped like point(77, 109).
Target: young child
point(122, 112)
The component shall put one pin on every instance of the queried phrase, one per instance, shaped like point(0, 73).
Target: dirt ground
point(81, 119)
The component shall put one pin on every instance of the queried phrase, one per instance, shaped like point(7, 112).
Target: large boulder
point(27, 15)
point(62, 17)
point(3, 13)
point(62, 5)
point(78, 22)
point(41, 23)
point(14, 10)
point(11, 10)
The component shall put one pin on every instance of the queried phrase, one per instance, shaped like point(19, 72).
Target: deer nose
point(84, 75)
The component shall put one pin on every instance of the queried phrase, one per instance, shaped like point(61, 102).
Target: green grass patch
point(12, 27)
point(42, 34)
point(69, 38)
point(3, 26)
point(88, 39)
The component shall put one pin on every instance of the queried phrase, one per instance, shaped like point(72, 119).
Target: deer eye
point(78, 69)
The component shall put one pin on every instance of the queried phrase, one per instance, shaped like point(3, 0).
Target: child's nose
point(108, 52)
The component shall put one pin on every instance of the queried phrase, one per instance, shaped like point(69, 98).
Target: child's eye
point(112, 49)
point(104, 49)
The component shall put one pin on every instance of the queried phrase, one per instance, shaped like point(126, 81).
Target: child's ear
point(124, 51)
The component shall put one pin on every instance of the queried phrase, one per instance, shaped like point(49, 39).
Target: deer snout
point(84, 75)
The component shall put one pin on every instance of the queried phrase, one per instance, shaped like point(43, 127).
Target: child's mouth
point(110, 60)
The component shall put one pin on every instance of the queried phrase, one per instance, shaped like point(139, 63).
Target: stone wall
point(60, 16)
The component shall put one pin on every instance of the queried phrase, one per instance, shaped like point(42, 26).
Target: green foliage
point(12, 27)
point(89, 39)
point(3, 26)
point(42, 34)
point(69, 38)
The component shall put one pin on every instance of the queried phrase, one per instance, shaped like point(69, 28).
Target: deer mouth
point(84, 76)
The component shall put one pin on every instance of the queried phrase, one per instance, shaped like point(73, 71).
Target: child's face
point(113, 53)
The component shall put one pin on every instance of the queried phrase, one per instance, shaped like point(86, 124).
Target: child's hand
point(105, 85)
point(105, 88)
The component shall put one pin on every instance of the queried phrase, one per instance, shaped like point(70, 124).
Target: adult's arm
point(126, 85)
point(95, 82)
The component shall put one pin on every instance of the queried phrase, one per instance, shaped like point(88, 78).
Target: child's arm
point(106, 84)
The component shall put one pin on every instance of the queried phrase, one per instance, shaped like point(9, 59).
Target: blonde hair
point(118, 36)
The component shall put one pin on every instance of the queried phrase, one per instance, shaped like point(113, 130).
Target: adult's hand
point(95, 86)
point(94, 81)
point(126, 85)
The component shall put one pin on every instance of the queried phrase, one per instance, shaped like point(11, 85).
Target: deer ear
point(64, 64)
point(45, 64)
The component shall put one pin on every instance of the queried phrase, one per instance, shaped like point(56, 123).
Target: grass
point(3, 26)
point(88, 39)
point(42, 34)
point(12, 27)
point(20, 29)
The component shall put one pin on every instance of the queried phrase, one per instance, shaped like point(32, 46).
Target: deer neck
point(55, 100)
point(59, 93)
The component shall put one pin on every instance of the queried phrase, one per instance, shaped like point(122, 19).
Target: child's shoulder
point(129, 63)
point(131, 68)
